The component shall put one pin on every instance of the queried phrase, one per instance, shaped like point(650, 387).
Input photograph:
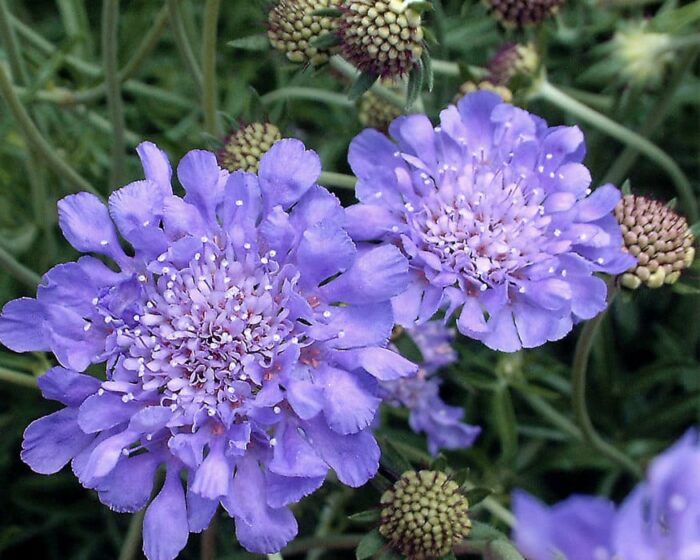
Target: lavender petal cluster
point(494, 212)
point(659, 520)
point(420, 393)
point(243, 336)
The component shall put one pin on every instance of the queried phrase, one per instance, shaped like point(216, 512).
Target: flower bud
point(243, 148)
point(641, 56)
point(383, 38)
point(374, 111)
point(292, 29)
point(424, 515)
point(470, 87)
point(658, 237)
point(522, 13)
point(513, 62)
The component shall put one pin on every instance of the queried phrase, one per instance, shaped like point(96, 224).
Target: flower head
point(424, 515)
point(579, 528)
point(244, 147)
point(242, 336)
point(523, 13)
point(420, 393)
point(293, 29)
point(658, 238)
point(661, 518)
point(513, 61)
point(376, 112)
point(382, 38)
point(493, 210)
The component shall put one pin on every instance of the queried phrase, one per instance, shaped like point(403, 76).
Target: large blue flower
point(493, 210)
point(661, 518)
point(579, 528)
point(243, 335)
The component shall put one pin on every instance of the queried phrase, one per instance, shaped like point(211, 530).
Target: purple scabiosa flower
point(661, 518)
point(243, 339)
point(493, 210)
point(579, 528)
point(420, 393)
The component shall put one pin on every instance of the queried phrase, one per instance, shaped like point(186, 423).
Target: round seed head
point(658, 237)
point(384, 38)
point(470, 87)
point(424, 515)
point(522, 13)
point(292, 29)
point(375, 112)
point(244, 148)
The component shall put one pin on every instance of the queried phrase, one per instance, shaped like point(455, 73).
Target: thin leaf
point(392, 459)
point(363, 82)
point(477, 495)
point(369, 516)
point(325, 42)
point(257, 42)
point(370, 544)
point(415, 84)
point(428, 66)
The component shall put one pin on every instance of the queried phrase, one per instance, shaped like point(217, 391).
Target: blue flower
point(579, 528)
point(661, 518)
point(420, 393)
point(494, 212)
point(243, 335)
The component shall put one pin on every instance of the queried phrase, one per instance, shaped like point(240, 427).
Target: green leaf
point(686, 289)
point(327, 12)
point(477, 495)
point(370, 544)
point(362, 84)
point(505, 422)
point(392, 459)
point(485, 532)
point(415, 84)
point(368, 516)
point(461, 476)
point(428, 66)
point(258, 42)
point(325, 42)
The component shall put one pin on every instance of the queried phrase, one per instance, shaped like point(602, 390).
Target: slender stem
point(325, 520)
point(37, 140)
point(578, 395)
point(132, 540)
point(349, 71)
point(98, 121)
point(330, 179)
point(444, 67)
point(656, 116)
point(330, 542)
point(552, 94)
point(21, 379)
point(313, 94)
point(209, 90)
point(110, 28)
point(208, 551)
point(9, 39)
point(18, 270)
point(554, 417)
point(183, 42)
point(149, 42)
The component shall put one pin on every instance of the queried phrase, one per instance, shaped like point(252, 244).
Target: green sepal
point(461, 476)
point(392, 459)
point(626, 187)
point(428, 67)
point(439, 464)
point(429, 36)
point(328, 12)
point(695, 229)
point(477, 495)
point(671, 204)
point(368, 516)
point(380, 482)
point(363, 82)
point(257, 42)
point(325, 42)
point(415, 84)
point(370, 544)
point(419, 6)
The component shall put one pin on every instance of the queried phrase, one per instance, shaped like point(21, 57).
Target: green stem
point(330, 179)
point(11, 265)
point(445, 68)
point(149, 42)
point(115, 108)
point(546, 91)
point(183, 42)
point(582, 353)
point(9, 39)
point(130, 548)
point(330, 542)
point(554, 417)
point(313, 94)
point(21, 379)
point(209, 35)
point(34, 137)
point(349, 71)
point(656, 116)
point(275, 556)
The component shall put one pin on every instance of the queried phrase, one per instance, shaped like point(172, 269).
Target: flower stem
point(313, 94)
point(339, 180)
point(18, 270)
point(208, 551)
point(558, 420)
point(330, 542)
point(34, 137)
point(275, 556)
point(9, 39)
point(578, 394)
point(130, 547)
point(115, 108)
point(349, 71)
point(183, 42)
point(546, 91)
point(444, 67)
point(209, 29)
point(21, 379)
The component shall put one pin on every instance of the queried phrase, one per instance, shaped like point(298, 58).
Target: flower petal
point(67, 386)
point(349, 400)
point(287, 171)
point(128, 487)
point(324, 250)
point(284, 490)
point(165, 528)
point(293, 456)
point(156, 166)
point(200, 174)
point(21, 326)
point(382, 363)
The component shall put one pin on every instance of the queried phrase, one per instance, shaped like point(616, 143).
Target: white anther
point(264, 260)
point(273, 253)
point(239, 203)
point(94, 301)
point(161, 258)
point(273, 442)
point(108, 319)
point(87, 327)
point(557, 232)
point(142, 278)
point(100, 392)
point(326, 314)
point(204, 239)
point(166, 270)
point(104, 242)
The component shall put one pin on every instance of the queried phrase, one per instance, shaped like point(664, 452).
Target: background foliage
point(644, 375)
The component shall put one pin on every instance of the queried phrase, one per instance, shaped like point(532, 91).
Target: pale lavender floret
point(494, 211)
point(239, 350)
point(661, 518)
point(578, 528)
point(420, 394)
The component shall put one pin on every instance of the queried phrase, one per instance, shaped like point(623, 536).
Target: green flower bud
point(244, 148)
point(384, 38)
point(658, 237)
point(522, 13)
point(641, 55)
point(292, 29)
point(424, 515)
